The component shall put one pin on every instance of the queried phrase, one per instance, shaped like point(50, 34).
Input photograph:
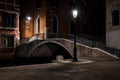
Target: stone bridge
point(58, 46)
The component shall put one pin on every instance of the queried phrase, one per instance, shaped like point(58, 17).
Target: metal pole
point(74, 49)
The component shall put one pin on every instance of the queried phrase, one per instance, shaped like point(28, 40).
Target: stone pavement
point(65, 70)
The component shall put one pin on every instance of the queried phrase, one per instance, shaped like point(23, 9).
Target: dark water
point(24, 61)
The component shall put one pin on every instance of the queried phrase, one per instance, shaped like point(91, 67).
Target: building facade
point(55, 16)
point(113, 23)
point(9, 25)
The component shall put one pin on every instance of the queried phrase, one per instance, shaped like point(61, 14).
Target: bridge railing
point(60, 35)
point(89, 41)
point(80, 39)
point(83, 39)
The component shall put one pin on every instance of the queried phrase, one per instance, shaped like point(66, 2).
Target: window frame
point(10, 20)
point(115, 17)
point(7, 41)
point(38, 26)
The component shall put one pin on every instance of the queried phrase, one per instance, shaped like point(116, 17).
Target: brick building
point(9, 26)
point(55, 16)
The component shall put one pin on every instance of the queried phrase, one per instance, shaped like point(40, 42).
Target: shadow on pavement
point(24, 61)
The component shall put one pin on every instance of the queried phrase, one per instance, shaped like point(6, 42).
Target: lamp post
point(28, 20)
point(75, 13)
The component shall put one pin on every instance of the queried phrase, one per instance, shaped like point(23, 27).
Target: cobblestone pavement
point(83, 70)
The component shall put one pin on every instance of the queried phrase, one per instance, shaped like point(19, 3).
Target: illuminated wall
point(28, 27)
point(9, 23)
point(58, 13)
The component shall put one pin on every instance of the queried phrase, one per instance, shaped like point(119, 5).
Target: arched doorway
point(55, 24)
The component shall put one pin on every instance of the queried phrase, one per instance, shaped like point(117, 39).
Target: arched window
point(54, 24)
point(38, 25)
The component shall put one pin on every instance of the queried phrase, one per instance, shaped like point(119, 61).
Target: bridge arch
point(51, 49)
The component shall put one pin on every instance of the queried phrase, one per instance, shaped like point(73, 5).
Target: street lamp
point(28, 18)
point(75, 13)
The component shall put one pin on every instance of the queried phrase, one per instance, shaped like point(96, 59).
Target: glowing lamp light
point(75, 13)
point(28, 18)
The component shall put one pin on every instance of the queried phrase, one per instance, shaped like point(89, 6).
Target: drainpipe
point(33, 20)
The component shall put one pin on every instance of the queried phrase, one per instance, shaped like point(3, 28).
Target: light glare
point(28, 18)
point(75, 13)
